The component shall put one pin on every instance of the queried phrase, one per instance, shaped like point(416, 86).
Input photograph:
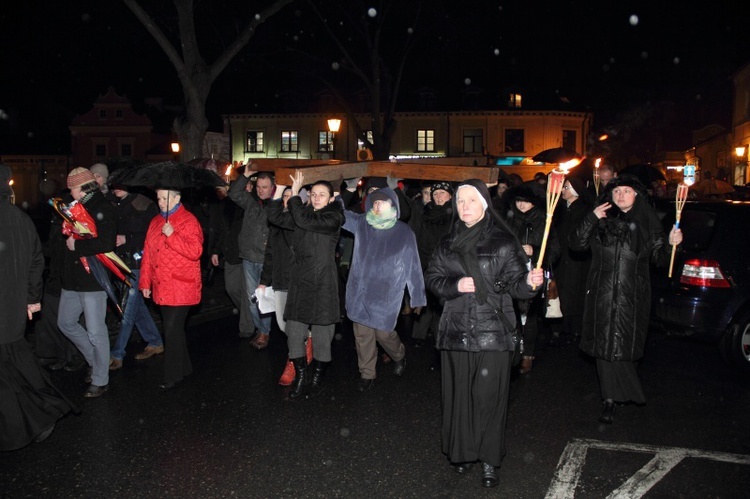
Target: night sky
point(606, 57)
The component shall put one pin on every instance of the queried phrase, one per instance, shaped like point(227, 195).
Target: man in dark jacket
point(385, 262)
point(134, 214)
point(81, 292)
point(252, 240)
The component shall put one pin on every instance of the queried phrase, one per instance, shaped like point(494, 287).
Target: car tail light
point(704, 273)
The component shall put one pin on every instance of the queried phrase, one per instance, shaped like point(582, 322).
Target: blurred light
point(739, 151)
point(334, 124)
point(175, 147)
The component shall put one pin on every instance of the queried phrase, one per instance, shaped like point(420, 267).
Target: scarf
point(465, 244)
point(384, 221)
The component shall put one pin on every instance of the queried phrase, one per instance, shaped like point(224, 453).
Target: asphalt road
point(230, 431)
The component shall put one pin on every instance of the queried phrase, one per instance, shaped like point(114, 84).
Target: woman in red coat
point(171, 271)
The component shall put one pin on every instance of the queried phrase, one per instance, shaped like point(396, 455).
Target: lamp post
point(175, 150)
point(333, 126)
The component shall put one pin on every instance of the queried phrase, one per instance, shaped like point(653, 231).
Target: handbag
point(552, 301)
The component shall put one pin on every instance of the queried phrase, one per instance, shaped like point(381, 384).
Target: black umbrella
point(556, 155)
point(645, 173)
point(168, 175)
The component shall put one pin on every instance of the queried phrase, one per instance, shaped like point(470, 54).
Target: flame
point(598, 162)
point(564, 167)
point(229, 170)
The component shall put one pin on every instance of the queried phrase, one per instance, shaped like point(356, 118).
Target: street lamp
point(740, 173)
point(333, 126)
point(175, 150)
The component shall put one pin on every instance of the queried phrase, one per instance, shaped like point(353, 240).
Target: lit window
point(425, 140)
point(325, 141)
point(254, 141)
point(289, 141)
point(514, 101)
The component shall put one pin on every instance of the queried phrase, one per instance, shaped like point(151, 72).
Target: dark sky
point(608, 57)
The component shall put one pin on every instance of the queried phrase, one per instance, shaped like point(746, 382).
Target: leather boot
point(301, 379)
point(608, 412)
point(319, 368)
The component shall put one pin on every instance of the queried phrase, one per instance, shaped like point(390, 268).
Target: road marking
point(573, 458)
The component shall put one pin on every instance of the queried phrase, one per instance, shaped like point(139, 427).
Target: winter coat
point(435, 224)
point(171, 265)
point(74, 276)
point(384, 263)
point(254, 233)
point(134, 214)
point(465, 324)
point(573, 266)
point(21, 267)
point(313, 295)
point(618, 288)
point(277, 264)
point(529, 226)
point(230, 224)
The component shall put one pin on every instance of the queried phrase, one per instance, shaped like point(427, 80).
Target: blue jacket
point(384, 263)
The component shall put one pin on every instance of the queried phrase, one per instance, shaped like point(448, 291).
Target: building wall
point(741, 123)
point(36, 178)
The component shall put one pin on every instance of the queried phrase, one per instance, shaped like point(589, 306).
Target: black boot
point(608, 412)
point(319, 368)
point(301, 379)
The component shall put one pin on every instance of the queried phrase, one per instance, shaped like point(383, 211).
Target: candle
point(597, 179)
point(228, 172)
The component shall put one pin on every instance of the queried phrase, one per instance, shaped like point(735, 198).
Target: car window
point(697, 229)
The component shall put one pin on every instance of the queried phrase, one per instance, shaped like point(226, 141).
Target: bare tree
point(197, 75)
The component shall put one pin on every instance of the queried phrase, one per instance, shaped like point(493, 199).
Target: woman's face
point(320, 197)
point(166, 199)
point(285, 197)
point(441, 197)
point(470, 209)
point(76, 193)
point(523, 205)
point(624, 197)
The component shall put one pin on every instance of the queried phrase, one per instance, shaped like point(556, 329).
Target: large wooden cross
point(335, 170)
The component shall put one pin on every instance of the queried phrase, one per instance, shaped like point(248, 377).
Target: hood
point(391, 195)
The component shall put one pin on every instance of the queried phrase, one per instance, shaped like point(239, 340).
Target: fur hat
point(80, 176)
point(524, 192)
point(101, 170)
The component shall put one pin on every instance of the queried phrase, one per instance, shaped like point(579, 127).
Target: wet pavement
point(230, 431)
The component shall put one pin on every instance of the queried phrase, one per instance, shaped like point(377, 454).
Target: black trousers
point(177, 363)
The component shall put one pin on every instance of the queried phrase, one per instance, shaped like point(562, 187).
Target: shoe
point(526, 363)
point(89, 375)
point(94, 391)
point(608, 412)
point(385, 358)
point(115, 364)
point(399, 366)
point(316, 385)
point(57, 365)
point(301, 377)
point(287, 377)
point(463, 468)
point(149, 352)
point(489, 476)
point(45, 434)
point(167, 385)
point(75, 365)
point(365, 384)
point(261, 341)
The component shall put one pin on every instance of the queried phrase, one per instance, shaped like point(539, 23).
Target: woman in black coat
point(477, 270)
point(625, 238)
point(313, 297)
point(526, 216)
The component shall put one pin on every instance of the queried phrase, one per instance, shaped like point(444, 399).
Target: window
point(514, 101)
point(118, 113)
point(289, 141)
point(254, 141)
point(126, 150)
point(425, 140)
point(102, 113)
point(473, 142)
point(100, 150)
point(360, 144)
point(325, 141)
point(514, 140)
point(569, 140)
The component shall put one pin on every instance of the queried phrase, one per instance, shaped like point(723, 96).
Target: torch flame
point(569, 164)
point(598, 162)
point(229, 170)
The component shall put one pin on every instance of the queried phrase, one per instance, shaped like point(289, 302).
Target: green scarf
point(384, 221)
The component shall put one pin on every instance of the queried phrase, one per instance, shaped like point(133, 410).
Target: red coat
point(171, 265)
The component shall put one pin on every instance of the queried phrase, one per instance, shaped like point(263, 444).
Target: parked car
point(708, 296)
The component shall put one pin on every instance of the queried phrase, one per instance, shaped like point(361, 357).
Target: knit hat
point(80, 176)
point(441, 186)
point(101, 170)
point(380, 196)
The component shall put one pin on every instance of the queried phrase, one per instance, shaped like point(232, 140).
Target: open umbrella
point(645, 173)
point(711, 187)
point(168, 175)
point(556, 155)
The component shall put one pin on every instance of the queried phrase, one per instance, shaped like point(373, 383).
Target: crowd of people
point(453, 263)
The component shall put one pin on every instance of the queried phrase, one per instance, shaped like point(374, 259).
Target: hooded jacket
point(618, 288)
point(384, 263)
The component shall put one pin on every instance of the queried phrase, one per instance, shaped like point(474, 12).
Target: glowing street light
point(334, 124)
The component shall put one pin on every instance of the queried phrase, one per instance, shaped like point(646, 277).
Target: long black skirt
point(29, 402)
point(475, 388)
point(619, 381)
